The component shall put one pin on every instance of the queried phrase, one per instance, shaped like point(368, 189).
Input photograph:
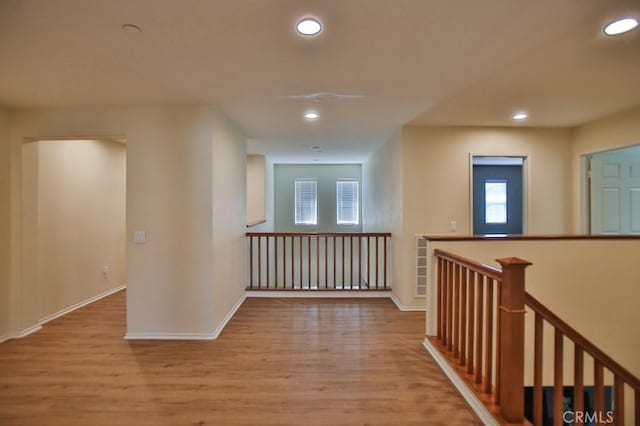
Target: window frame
point(315, 202)
point(357, 203)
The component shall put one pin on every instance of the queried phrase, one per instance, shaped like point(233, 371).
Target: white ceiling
point(436, 62)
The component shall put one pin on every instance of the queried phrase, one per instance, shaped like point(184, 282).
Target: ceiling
point(436, 62)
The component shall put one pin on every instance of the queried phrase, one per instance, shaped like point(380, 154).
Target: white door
point(615, 195)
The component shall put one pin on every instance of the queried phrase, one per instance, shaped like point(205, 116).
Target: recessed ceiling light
point(519, 116)
point(620, 26)
point(311, 115)
point(308, 26)
point(131, 29)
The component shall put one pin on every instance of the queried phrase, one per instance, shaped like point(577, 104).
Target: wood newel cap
point(510, 262)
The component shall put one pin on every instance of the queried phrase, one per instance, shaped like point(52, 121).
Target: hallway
point(278, 362)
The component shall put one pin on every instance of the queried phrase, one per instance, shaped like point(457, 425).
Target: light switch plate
point(139, 237)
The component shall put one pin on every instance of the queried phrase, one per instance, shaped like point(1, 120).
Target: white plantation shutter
point(306, 202)
point(348, 203)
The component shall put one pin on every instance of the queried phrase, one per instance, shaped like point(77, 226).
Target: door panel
point(490, 203)
point(615, 195)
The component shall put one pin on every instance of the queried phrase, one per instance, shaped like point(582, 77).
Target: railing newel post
point(512, 330)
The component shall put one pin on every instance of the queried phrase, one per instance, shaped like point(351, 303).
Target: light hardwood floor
point(278, 362)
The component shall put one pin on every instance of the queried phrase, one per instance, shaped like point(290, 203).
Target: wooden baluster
point(510, 361)
point(377, 263)
point(259, 262)
point(293, 258)
point(450, 307)
point(275, 260)
point(351, 266)
point(359, 278)
point(318, 263)
point(456, 310)
point(618, 401)
point(538, 354)
point(385, 262)
point(300, 262)
point(344, 261)
point(479, 327)
point(250, 262)
point(335, 257)
point(488, 343)
point(598, 389)
point(309, 261)
point(441, 296)
point(326, 262)
point(368, 264)
point(578, 379)
point(463, 317)
point(268, 259)
point(558, 387)
point(471, 315)
point(292, 275)
point(498, 340)
point(636, 404)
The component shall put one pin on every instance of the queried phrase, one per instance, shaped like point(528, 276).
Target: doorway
point(614, 192)
point(73, 216)
point(497, 193)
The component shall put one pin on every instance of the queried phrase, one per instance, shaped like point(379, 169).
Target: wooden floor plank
point(278, 362)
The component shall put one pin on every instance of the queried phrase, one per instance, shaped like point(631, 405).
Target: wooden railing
point(601, 363)
point(481, 331)
point(318, 261)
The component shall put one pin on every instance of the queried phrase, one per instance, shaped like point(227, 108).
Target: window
point(495, 201)
point(306, 202)
point(347, 203)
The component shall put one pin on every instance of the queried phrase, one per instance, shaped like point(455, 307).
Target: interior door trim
point(526, 179)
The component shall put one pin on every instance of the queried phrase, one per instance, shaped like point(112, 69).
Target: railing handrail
point(582, 341)
point(484, 269)
point(318, 234)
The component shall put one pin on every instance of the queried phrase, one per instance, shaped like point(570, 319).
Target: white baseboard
point(476, 405)
point(318, 293)
point(22, 333)
point(228, 317)
point(189, 336)
point(37, 327)
point(406, 307)
point(81, 304)
point(169, 336)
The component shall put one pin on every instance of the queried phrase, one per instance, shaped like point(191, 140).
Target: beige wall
point(615, 131)
point(169, 195)
point(81, 220)
point(269, 200)
point(256, 185)
point(5, 226)
point(420, 181)
point(382, 204)
point(229, 218)
point(437, 169)
point(590, 284)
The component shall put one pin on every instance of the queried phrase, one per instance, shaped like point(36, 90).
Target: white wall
point(256, 176)
point(612, 132)
point(5, 226)
point(169, 195)
point(80, 220)
point(229, 219)
point(382, 211)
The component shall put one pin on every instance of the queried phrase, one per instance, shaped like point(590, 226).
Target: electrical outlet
point(105, 272)
point(453, 226)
